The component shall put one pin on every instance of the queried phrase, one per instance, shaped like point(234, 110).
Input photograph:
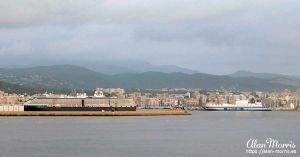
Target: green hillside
point(75, 77)
point(25, 89)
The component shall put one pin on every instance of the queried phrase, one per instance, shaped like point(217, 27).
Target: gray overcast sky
point(215, 36)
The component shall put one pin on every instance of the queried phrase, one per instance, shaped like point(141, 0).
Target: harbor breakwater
point(97, 113)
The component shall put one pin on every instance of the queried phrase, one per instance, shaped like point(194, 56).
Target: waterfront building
point(11, 99)
point(192, 102)
point(112, 91)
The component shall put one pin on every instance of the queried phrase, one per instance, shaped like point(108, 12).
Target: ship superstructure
point(240, 105)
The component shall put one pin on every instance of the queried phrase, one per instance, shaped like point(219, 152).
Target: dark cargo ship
point(80, 104)
point(54, 108)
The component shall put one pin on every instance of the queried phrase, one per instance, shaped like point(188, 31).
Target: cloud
point(34, 12)
point(216, 36)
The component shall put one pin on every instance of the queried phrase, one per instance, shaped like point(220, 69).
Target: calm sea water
point(202, 134)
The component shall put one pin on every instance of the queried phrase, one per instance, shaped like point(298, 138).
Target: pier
point(97, 113)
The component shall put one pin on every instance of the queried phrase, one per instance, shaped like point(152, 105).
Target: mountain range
point(29, 89)
point(109, 67)
point(274, 78)
point(243, 73)
point(76, 77)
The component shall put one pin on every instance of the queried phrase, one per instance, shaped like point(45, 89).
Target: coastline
point(97, 113)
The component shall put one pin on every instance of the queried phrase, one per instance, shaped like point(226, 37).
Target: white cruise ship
point(241, 105)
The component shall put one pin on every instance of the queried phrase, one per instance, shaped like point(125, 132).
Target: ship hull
point(237, 109)
point(50, 108)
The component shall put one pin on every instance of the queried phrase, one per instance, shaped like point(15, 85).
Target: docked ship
point(240, 105)
point(80, 102)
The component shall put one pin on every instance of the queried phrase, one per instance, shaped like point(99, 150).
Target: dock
point(97, 113)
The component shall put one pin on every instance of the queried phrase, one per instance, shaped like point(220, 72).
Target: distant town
point(191, 99)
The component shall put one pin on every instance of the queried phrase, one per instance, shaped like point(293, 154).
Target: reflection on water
point(202, 134)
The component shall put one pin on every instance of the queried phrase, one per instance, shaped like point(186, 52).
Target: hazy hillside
point(102, 66)
point(274, 78)
point(243, 73)
point(69, 76)
point(130, 66)
point(21, 89)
